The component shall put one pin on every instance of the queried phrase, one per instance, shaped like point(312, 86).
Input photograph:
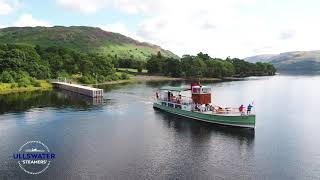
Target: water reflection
point(74, 97)
point(205, 130)
point(20, 102)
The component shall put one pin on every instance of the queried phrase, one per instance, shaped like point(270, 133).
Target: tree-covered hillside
point(81, 38)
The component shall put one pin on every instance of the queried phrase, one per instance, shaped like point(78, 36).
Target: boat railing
point(214, 109)
point(219, 110)
point(229, 110)
point(182, 100)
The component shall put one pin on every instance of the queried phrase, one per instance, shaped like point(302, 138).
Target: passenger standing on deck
point(241, 109)
point(249, 109)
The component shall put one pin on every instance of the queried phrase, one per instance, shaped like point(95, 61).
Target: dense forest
point(203, 65)
point(22, 65)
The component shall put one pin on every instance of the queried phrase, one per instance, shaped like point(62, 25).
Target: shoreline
point(25, 89)
point(6, 89)
point(46, 86)
point(155, 78)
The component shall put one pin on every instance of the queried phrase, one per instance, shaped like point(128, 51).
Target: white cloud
point(287, 34)
point(28, 20)
point(122, 29)
point(139, 6)
point(83, 6)
point(216, 27)
point(7, 7)
point(222, 28)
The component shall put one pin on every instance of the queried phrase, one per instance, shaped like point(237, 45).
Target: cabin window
point(195, 90)
point(178, 106)
point(164, 104)
point(205, 90)
point(170, 105)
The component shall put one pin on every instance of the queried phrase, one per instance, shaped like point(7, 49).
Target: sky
point(221, 28)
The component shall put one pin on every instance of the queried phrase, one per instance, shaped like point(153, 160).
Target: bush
point(14, 85)
point(6, 77)
point(139, 69)
point(5, 86)
point(84, 80)
point(19, 75)
point(87, 79)
point(101, 79)
point(115, 77)
point(33, 81)
point(108, 78)
point(124, 76)
point(36, 83)
point(24, 82)
point(62, 74)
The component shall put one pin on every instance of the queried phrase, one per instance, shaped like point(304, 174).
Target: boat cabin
point(173, 97)
point(201, 94)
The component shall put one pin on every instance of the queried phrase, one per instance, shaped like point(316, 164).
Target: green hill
point(292, 62)
point(86, 39)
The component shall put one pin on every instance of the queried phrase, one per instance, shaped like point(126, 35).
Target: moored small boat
point(199, 107)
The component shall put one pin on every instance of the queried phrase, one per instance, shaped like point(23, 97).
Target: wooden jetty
point(84, 90)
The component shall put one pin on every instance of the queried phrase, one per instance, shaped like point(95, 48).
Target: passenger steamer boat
point(199, 107)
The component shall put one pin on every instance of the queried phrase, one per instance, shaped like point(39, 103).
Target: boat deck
point(218, 111)
point(225, 113)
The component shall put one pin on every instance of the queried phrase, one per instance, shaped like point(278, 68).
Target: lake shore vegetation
point(24, 67)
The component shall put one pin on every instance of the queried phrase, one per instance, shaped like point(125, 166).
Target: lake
point(123, 137)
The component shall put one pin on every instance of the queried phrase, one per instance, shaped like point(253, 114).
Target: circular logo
point(34, 157)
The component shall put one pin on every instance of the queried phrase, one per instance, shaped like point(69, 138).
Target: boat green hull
point(237, 121)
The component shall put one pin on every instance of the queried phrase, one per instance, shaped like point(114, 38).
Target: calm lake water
point(123, 137)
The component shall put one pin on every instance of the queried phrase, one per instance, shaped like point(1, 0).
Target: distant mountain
point(87, 39)
point(260, 58)
point(293, 62)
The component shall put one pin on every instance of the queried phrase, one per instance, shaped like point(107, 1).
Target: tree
point(156, 64)
point(193, 66)
point(173, 67)
point(204, 57)
point(228, 69)
point(6, 77)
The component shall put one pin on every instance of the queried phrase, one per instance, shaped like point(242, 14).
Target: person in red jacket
point(241, 109)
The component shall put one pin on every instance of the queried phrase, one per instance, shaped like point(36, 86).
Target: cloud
point(140, 6)
point(27, 20)
point(122, 29)
point(236, 28)
point(261, 50)
point(83, 6)
point(288, 34)
point(7, 7)
point(216, 27)
point(207, 25)
point(220, 28)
